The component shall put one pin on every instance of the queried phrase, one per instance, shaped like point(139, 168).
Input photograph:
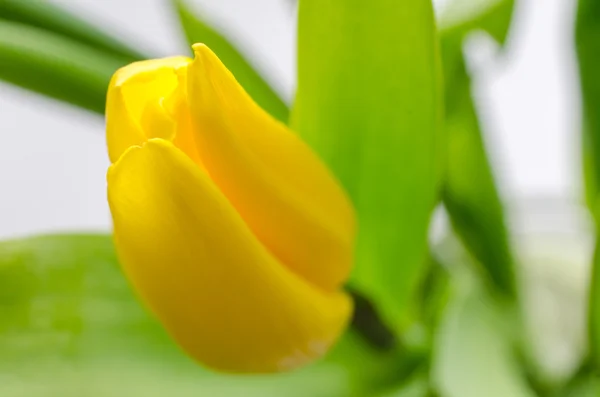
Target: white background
point(53, 159)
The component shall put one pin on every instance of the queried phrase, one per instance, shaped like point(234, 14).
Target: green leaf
point(588, 388)
point(594, 308)
point(434, 293)
point(372, 372)
point(582, 385)
point(464, 16)
point(369, 102)
point(588, 51)
point(55, 66)
point(417, 387)
point(70, 326)
point(470, 194)
point(474, 355)
point(46, 16)
point(469, 191)
point(198, 30)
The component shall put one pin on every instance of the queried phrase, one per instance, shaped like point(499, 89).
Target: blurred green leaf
point(69, 326)
point(55, 66)
point(197, 30)
point(588, 386)
point(464, 16)
point(369, 101)
point(470, 195)
point(594, 308)
point(588, 51)
point(474, 351)
point(417, 387)
point(469, 191)
point(47, 16)
point(434, 293)
point(372, 372)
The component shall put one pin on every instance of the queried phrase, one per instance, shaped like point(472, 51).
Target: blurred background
point(54, 159)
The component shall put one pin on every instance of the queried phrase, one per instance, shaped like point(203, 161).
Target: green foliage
point(588, 386)
point(69, 323)
point(46, 16)
point(465, 16)
point(588, 51)
point(417, 387)
point(474, 356)
point(433, 294)
point(594, 308)
point(199, 31)
point(55, 66)
point(469, 192)
point(70, 326)
point(46, 49)
point(369, 102)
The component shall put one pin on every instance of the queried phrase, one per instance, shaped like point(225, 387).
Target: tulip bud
point(230, 229)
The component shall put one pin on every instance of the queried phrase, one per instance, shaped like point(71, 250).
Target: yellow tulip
point(230, 229)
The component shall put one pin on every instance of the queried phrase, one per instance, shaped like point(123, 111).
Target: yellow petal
point(177, 106)
point(217, 290)
point(278, 185)
point(134, 110)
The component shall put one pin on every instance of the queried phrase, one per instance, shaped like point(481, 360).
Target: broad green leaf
point(198, 30)
point(70, 326)
point(46, 16)
point(369, 101)
point(588, 51)
point(469, 192)
point(474, 351)
point(55, 66)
